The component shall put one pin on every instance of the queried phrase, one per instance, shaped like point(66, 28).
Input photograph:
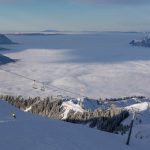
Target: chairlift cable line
point(48, 86)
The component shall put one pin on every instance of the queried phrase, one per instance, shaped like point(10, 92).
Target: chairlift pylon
point(43, 87)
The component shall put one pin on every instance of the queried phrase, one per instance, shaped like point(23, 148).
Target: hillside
point(5, 60)
point(5, 40)
point(29, 132)
point(3, 49)
point(51, 70)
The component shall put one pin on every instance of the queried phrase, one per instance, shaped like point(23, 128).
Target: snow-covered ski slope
point(141, 129)
point(29, 132)
point(95, 65)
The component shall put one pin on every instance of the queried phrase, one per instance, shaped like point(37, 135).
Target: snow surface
point(78, 105)
point(141, 128)
point(29, 132)
point(96, 65)
point(139, 107)
point(28, 109)
point(67, 106)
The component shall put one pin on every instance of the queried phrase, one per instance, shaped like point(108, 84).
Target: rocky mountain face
point(3, 49)
point(145, 42)
point(5, 60)
point(5, 40)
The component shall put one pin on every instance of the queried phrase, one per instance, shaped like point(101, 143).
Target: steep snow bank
point(33, 132)
point(139, 107)
point(141, 127)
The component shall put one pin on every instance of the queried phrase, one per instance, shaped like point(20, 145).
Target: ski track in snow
point(31, 132)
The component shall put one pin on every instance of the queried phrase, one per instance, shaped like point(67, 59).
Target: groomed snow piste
point(29, 132)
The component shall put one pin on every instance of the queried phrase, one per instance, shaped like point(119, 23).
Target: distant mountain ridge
point(3, 49)
point(145, 42)
point(5, 40)
point(5, 60)
point(51, 31)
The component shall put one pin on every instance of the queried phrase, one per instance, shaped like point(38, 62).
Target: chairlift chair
point(34, 86)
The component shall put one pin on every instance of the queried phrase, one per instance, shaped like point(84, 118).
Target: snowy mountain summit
point(78, 105)
point(145, 42)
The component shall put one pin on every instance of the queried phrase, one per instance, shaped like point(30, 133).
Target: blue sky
point(101, 15)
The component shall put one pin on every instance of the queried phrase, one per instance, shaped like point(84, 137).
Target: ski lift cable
point(37, 81)
point(16, 74)
point(68, 91)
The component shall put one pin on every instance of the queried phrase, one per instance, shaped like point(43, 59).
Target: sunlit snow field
point(94, 65)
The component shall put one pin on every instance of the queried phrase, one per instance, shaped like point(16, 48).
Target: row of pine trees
point(103, 119)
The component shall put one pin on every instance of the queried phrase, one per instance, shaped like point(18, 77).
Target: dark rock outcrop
point(5, 60)
point(5, 40)
point(143, 42)
point(3, 49)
